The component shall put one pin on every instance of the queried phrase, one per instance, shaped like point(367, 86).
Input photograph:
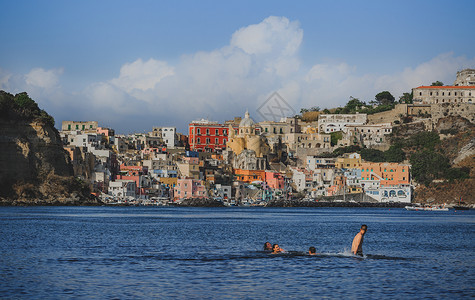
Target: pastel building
point(275, 180)
point(189, 188)
point(250, 176)
point(386, 182)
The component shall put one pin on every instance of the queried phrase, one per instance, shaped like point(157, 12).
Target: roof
point(446, 87)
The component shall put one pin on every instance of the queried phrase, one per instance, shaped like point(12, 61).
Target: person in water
point(357, 246)
point(267, 246)
point(312, 251)
point(276, 249)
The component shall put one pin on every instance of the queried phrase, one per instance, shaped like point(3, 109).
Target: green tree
point(384, 98)
point(428, 165)
point(394, 154)
point(335, 136)
point(354, 104)
point(437, 83)
point(406, 98)
point(372, 155)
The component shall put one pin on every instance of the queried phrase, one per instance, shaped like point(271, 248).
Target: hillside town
point(243, 162)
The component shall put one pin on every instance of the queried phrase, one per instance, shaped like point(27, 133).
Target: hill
point(34, 167)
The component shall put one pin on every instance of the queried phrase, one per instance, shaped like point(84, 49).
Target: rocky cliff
point(34, 167)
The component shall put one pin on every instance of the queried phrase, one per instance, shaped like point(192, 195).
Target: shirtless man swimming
point(357, 246)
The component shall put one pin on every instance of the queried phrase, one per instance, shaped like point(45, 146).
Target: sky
point(135, 65)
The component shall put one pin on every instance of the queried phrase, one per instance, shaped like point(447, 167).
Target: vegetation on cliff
point(22, 107)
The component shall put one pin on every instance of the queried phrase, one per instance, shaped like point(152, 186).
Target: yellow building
point(246, 138)
point(348, 161)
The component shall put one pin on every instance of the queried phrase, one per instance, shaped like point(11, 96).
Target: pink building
point(275, 180)
point(105, 131)
point(189, 188)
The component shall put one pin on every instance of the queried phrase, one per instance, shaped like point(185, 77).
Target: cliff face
point(34, 167)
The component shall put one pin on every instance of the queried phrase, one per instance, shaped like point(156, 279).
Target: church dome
point(247, 121)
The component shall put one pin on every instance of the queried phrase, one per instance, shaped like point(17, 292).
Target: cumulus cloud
point(141, 75)
point(220, 84)
point(275, 35)
point(42, 78)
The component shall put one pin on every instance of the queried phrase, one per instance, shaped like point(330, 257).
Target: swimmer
point(267, 246)
point(357, 246)
point(276, 249)
point(312, 251)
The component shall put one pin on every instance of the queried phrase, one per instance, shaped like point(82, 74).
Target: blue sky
point(132, 65)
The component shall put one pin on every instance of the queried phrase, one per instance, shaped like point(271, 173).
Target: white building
point(167, 134)
point(122, 188)
point(222, 191)
point(338, 122)
point(314, 162)
point(369, 135)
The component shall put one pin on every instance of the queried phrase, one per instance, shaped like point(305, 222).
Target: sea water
point(216, 253)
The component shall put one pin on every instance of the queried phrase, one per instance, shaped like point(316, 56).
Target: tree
point(406, 98)
point(384, 98)
point(354, 104)
point(437, 83)
point(428, 165)
point(335, 136)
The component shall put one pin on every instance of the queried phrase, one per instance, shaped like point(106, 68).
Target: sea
point(217, 253)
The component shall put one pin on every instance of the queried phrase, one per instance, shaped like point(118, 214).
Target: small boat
point(461, 207)
point(427, 207)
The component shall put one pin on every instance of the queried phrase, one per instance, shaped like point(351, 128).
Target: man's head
point(363, 229)
point(312, 250)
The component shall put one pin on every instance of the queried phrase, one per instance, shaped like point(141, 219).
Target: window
point(207, 141)
point(198, 130)
point(217, 132)
point(207, 131)
point(199, 141)
point(69, 126)
point(216, 141)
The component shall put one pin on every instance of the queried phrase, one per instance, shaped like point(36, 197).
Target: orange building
point(387, 173)
point(250, 175)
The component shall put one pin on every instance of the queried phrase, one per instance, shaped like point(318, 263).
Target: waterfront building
point(189, 188)
point(122, 188)
point(386, 182)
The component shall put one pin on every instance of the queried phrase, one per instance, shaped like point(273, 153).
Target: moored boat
point(426, 207)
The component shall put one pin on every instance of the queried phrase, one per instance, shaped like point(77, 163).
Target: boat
point(426, 207)
point(461, 207)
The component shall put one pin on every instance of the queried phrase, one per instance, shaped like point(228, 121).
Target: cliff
point(34, 167)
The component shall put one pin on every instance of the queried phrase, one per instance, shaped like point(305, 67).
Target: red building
point(207, 135)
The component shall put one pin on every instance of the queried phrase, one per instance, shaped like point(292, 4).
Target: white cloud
point(273, 35)
point(220, 84)
point(141, 75)
point(42, 78)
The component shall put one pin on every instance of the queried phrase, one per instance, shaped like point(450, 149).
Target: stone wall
point(388, 116)
point(464, 110)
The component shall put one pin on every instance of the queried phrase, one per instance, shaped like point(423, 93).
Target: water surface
point(215, 253)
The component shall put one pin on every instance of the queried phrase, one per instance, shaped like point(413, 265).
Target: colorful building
point(388, 174)
point(204, 135)
point(275, 180)
point(249, 176)
point(189, 188)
